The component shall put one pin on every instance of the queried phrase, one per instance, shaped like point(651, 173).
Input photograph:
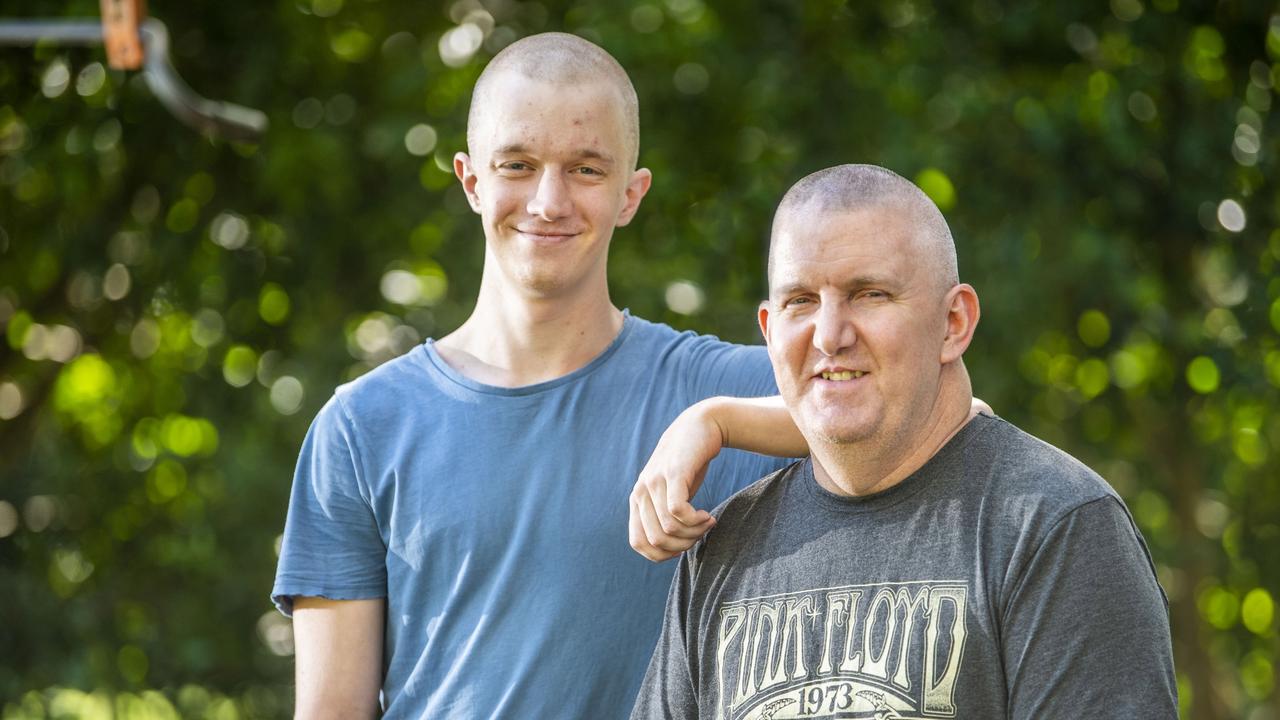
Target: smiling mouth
point(552, 234)
point(844, 375)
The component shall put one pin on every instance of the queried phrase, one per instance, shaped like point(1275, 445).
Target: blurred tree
point(175, 309)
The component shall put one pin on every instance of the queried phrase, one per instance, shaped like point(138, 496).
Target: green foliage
point(176, 308)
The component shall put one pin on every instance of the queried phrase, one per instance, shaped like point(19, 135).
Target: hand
point(663, 524)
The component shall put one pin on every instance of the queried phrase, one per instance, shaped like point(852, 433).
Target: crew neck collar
point(431, 355)
point(906, 488)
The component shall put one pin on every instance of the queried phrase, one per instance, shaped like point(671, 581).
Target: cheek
point(603, 205)
point(789, 346)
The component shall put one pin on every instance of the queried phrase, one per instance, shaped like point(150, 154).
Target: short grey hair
point(849, 188)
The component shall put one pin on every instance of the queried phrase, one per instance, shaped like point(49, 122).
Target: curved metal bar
point(212, 117)
point(234, 122)
point(64, 32)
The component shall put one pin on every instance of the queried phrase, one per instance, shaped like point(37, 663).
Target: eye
point(515, 165)
point(799, 300)
point(585, 170)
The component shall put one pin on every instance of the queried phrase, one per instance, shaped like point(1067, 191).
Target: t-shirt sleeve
point(715, 367)
point(668, 692)
point(1086, 627)
point(331, 547)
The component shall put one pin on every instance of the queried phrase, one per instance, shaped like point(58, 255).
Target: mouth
point(842, 375)
point(545, 235)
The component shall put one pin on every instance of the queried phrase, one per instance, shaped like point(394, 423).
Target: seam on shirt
point(1020, 576)
point(1146, 551)
point(359, 452)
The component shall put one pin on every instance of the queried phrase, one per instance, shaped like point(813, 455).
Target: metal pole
point(213, 117)
point(63, 32)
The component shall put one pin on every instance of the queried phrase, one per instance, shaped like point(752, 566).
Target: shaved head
point(853, 188)
point(561, 59)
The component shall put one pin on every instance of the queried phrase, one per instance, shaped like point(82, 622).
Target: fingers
point(677, 511)
point(639, 536)
point(656, 533)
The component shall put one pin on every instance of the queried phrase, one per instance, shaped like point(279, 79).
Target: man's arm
point(663, 522)
point(1085, 624)
point(338, 651)
point(668, 692)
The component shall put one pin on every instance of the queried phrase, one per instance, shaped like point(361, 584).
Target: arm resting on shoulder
point(338, 648)
point(663, 522)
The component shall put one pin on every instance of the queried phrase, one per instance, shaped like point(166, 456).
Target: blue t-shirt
point(494, 521)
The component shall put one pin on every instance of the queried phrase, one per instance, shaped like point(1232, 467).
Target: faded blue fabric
point(494, 520)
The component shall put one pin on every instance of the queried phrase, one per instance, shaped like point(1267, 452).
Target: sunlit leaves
point(1220, 607)
point(87, 393)
point(1203, 56)
point(239, 365)
point(1092, 377)
point(1257, 675)
point(352, 44)
point(938, 187)
point(1258, 611)
point(273, 304)
point(1094, 328)
point(182, 215)
point(189, 701)
point(1203, 375)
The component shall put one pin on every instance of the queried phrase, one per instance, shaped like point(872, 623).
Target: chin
point(842, 436)
point(843, 431)
point(546, 285)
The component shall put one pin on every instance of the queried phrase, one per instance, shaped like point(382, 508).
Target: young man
point(456, 538)
point(927, 561)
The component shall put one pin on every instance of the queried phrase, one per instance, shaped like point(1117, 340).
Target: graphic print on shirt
point(890, 650)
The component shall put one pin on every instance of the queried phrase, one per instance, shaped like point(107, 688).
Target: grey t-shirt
point(1004, 579)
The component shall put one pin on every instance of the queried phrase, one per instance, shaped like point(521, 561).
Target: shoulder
point(744, 501)
point(750, 509)
point(705, 365)
point(1026, 473)
point(372, 396)
point(685, 343)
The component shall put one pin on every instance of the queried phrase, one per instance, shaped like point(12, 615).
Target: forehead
point(544, 116)
point(813, 247)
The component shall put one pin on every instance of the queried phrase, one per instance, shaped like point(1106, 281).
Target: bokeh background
point(175, 308)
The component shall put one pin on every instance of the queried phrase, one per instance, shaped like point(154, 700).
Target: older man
point(456, 544)
point(927, 561)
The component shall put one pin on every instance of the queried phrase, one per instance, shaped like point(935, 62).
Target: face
point(550, 178)
point(855, 326)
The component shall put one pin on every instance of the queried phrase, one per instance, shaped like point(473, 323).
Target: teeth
point(845, 375)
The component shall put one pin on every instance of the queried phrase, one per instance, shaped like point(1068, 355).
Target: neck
point(515, 338)
point(877, 463)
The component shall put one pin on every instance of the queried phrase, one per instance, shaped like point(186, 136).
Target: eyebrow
point(584, 153)
point(858, 281)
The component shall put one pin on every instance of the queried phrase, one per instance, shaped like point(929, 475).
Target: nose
point(833, 329)
point(550, 200)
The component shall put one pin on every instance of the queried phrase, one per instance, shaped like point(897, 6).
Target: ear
point(762, 315)
point(467, 176)
point(962, 319)
point(637, 186)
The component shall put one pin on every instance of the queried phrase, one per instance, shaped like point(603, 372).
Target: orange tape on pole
point(120, 21)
